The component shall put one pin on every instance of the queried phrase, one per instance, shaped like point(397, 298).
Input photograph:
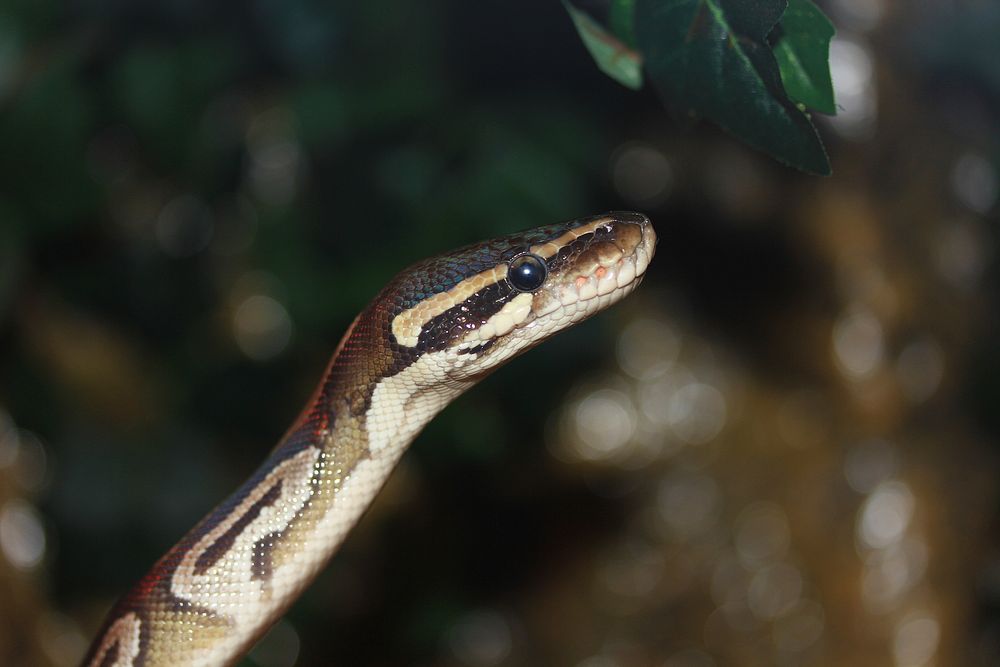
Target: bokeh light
point(184, 227)
point(920, 369)
point(22, 537)
point(481, 639)
point(858, 343)
point(869, 463)
point(261, 324)
point(275, 166)
point(781, 450)
point(860, 15)
point(642, 174)
point(854, 83)
point(604, 423)
point(975, 182)
point(916, 640)
point(962, 253)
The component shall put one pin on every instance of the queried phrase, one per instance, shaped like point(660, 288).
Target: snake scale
point(434, 331)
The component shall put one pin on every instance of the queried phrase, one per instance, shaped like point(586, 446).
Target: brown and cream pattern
point(432, 333)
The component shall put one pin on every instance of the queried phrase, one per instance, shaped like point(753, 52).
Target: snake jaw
point(587, 273)
point(611, 267)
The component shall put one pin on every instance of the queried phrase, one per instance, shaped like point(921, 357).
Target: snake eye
point(527, 273)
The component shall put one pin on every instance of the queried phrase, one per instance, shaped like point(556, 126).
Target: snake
point(432, 332)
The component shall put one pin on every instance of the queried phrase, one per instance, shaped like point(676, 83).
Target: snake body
point(430, 334)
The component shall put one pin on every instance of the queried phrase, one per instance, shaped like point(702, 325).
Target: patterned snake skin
point(434, 331)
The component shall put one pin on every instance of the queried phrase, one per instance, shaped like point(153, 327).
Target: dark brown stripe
point(211, 555)
point(111, 657)
point(482, 347)
point(465, 317)
point(261, 564)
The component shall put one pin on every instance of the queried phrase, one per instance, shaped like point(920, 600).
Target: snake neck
point(376, 395)
point(236, 572)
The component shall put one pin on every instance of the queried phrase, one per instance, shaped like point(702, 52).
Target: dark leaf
point(803, 52)
point(752, 18)
point(621, 17)
point(711, 58)
point(612, 56)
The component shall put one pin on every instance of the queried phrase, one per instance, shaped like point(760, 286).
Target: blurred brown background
point(781, 451)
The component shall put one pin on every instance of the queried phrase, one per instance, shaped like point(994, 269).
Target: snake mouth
point(591, 264)
point(598, 268)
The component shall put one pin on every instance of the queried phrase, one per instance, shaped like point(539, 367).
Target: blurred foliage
point(614, 57)
point(751, 67)
point(196, 198)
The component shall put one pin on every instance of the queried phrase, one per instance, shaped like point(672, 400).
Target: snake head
point(476, 307)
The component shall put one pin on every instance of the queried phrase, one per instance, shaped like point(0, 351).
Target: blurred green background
point(781, 451)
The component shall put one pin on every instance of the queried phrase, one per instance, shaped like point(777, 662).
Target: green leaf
point(621, 18)
point(612, 56)
point(751, 17)
point(711, 58)
point(802, 47)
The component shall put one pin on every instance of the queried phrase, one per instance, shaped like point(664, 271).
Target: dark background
point(782, 450)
